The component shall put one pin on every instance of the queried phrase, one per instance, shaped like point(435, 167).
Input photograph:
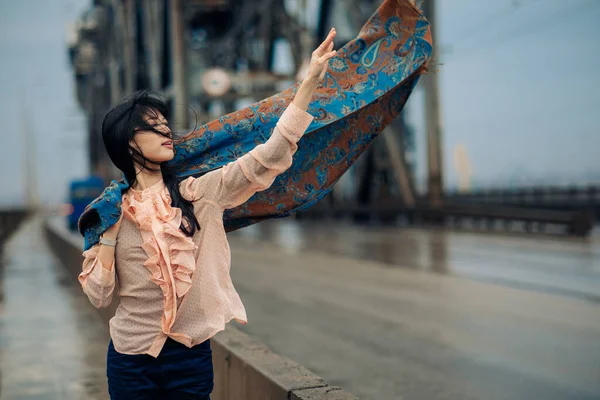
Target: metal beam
point(154, 40)
point(433, 120)
point(398, 165)
point(128, 18)
point(178, 57)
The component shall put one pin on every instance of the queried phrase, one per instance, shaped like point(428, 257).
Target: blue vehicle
point(81, 193)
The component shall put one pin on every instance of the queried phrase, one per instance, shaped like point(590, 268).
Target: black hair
point(119, 126)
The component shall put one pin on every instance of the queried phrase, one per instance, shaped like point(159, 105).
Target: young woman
point(169, 250)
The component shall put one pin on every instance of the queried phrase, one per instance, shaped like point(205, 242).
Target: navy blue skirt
point(178, 372)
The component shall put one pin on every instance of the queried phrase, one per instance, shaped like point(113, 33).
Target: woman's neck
point(145, 179)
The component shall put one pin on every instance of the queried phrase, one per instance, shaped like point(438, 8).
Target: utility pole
point(433, 119)
point(153, 29)
point(28, 153)
point(322, 31)
point(178, 55)
point(129, 23)
point(397, 164)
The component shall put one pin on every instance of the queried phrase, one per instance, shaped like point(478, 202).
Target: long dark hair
point(120, 125)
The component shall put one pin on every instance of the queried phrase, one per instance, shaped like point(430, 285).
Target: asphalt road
point(424, 314)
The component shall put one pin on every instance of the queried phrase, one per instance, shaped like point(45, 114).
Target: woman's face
point(152, 145)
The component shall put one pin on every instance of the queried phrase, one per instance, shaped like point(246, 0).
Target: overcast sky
point(519, 83)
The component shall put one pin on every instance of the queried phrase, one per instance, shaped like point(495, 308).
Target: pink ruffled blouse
point(172, 285)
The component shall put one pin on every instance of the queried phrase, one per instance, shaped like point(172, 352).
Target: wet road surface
point(384, 313)
point(423, 314)
point(555, 264)
point(52, 342)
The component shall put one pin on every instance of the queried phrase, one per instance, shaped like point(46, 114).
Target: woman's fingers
point(324, 63)
point(328, 41)
point(320, 57)
point(120, 219)
point(327, 56)
point(328, 53)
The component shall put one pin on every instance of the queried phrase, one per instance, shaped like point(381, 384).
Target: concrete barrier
point(9, 222)
point(245, 369)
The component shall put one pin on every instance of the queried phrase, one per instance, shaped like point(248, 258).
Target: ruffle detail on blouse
point(171, 260)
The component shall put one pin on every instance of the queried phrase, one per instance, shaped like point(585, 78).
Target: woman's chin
point(166, 155)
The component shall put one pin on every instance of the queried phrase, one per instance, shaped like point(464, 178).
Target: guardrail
point(9, 222)
point(538, 196)
point(577, 222)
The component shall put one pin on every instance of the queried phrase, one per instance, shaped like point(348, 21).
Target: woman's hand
point(113, 231)
point(320, 58)
point(316, 71)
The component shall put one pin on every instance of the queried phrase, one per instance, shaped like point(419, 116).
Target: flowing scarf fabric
point(367, 85)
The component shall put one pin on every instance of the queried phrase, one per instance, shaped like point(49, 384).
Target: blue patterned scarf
point(366, 87)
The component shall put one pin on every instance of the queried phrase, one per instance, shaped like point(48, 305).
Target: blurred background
point(458, 259)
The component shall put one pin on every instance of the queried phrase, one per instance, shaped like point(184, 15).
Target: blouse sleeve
point(237, 181)
point(98, 282)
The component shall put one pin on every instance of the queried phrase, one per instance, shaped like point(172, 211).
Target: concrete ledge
point(245, 369)
point(10, 219)
point(322, 393)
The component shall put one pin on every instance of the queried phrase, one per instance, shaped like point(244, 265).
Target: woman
point(169, 249)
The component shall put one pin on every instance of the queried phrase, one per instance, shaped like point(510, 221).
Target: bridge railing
point(467, 215)
point(9, 222)
point(556, 197)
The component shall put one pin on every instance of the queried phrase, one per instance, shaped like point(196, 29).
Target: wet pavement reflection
point(565, 265)
point(52, 343)
point(389, 313)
